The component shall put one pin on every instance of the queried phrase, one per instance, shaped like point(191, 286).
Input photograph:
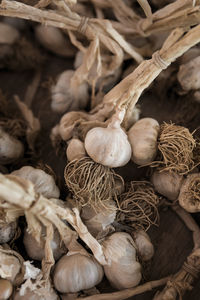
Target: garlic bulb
point(7, 231)
point(6, 289)
point(144, 246)
point(143, 139)
point(109, 146)
point(8, 34)
point(167, 183)
point(36, 251)
point(10, 148)
point(65, 98)
point(10, 266)
point(188, 75)
point(98, 220)
point(123, 271)
point(76, 272)
point(43, 182)
point(190, 193)
point(36, 293)
point(54, 40)
point(75, 149)
point(68, 122)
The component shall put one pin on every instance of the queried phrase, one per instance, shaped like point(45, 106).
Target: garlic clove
point(65, 98)
point(143, 139)
point(75, 149)
point(109, 146)
point(6, 289)
point(76, 272)
point(43, 182)
point(167, 183)
point(54, 40)
point(36, 251)
point(10, 148)
point(122, 270)
point(144, 246)
point(8, 34)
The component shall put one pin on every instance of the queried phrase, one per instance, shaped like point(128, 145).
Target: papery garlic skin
point(75, 150)
point(8, 34)
point(54, 40)
point(98, 220)
point(122, 271)
point(35, 294)
point(144, 246)
point(65, 98)
point(36, 251)
point(9, 267)
point(10, 148)
point(109, 146)
point(76, 272)
point(167, 184)
point(43, 182)
point(188, 75)
point(143, 139)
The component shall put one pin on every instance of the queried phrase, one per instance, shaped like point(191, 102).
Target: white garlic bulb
point(76, 272)
point(36, 251)
point(167, 183)
point(10, 148)
point(54, 40)
point(8, 34)
point(43, 182)
point(122, 270)
point(75, 149)
point(188, 75)
point(109, 146)
point(144, 246)
point(66, 98)
point(143, 139)
point(98, 220)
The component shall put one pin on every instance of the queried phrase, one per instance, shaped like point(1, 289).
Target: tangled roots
point(189, 197)
point(92, 183)
point(139, 206)
point(176, 145)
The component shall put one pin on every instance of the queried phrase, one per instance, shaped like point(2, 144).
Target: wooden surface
point(172, 241)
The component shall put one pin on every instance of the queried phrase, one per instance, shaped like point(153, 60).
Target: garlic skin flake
point(144, 246)
point(75, 149)
point(10, 148)
point(109, 146)
point(143, 139)
point(65, 98)
point(122, 271)
point(76, 272)
point(167, 184)
point(43, 182)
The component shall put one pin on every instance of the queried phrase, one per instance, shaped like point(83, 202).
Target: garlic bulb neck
point(117, 119)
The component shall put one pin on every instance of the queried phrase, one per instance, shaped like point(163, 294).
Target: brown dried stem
point(127, 293)
point(138, 206)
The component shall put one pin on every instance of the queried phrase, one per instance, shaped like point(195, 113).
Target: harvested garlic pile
point(65, 97)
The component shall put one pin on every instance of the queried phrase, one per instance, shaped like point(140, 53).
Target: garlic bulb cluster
point(188, 75)
point(123, 271)
point(167, 183)
point(43, 182)
point(75, 149)
point(65, 98)
point(6, 289)
point(143, 139)
point(36, 251)
point(109, 146)
point(54, 40)
point(76, 272)
point(98, 220)
point(144, 246)
point(8, 34)
point(11, 149)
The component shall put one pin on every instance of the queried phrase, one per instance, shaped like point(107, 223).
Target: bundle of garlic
point(138, 206)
